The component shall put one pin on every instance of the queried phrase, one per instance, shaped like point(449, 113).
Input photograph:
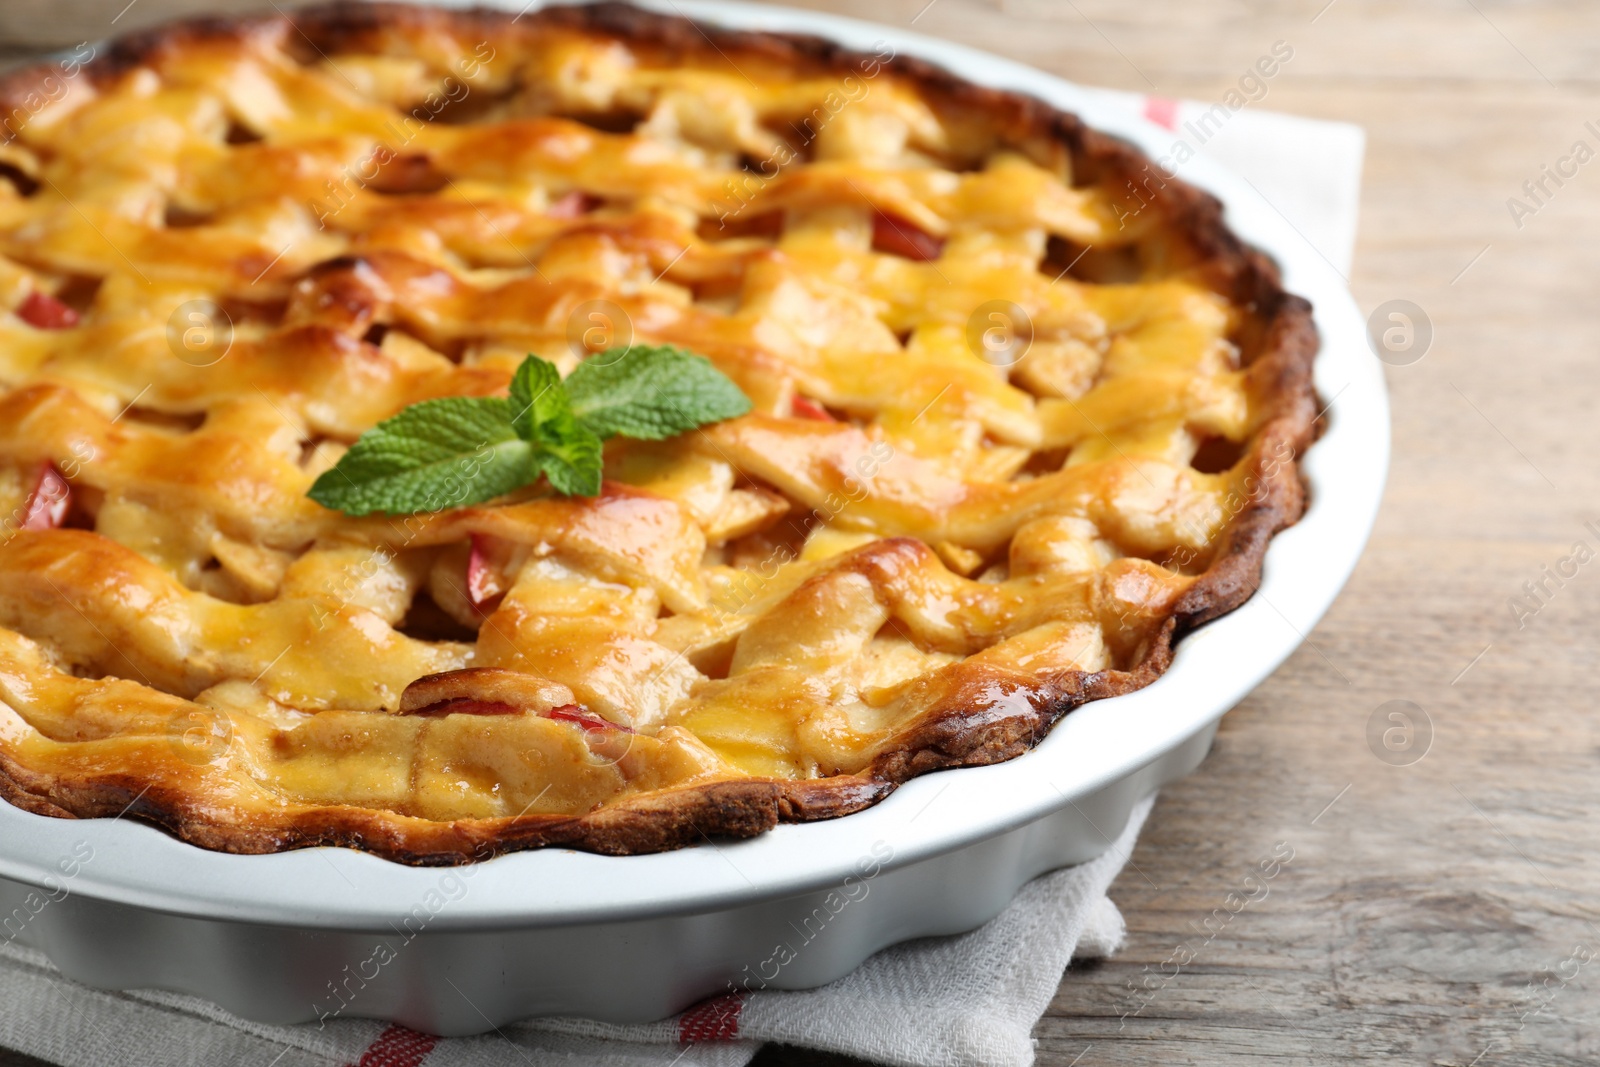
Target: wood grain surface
point(1441, 912)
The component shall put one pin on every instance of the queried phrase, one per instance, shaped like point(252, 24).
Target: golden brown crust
point(984, 714)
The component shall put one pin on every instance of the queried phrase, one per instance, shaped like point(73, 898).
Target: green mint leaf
point(574, 463)
point(651, 392)
point(568, 453)
point(434, 455)
point(537, 398)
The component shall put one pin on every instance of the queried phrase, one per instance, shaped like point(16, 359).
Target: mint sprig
point(461, 450)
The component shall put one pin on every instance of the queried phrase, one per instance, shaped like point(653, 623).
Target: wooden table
point(1438, 913)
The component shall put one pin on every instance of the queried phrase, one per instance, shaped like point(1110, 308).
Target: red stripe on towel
point(1161, 111)
point(398, 1046)
point(716, 1019)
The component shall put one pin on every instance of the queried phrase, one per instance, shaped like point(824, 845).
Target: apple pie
point(1022, 413)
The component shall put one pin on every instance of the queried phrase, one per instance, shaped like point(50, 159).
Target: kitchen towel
point(965, 1001)
point(970, 999)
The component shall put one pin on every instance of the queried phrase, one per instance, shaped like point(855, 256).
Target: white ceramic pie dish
point(295, 936)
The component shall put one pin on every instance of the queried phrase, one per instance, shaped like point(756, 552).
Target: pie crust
point(1026, 413)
